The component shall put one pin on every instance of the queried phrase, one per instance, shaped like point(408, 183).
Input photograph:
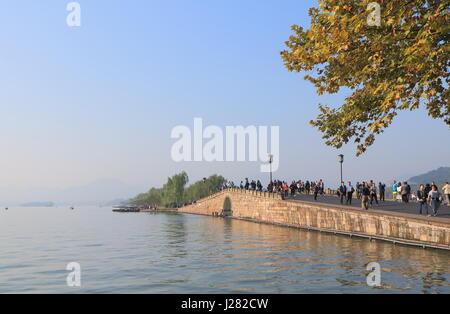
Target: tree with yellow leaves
point(400, 64)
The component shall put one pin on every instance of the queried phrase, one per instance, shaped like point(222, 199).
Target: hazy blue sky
point(100, 101)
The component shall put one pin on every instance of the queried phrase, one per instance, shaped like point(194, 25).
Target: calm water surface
point(173, 253)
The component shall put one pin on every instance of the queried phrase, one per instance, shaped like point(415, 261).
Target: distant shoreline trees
point(176, 192)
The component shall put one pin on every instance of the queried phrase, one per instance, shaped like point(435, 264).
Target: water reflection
point(176, 235)
point(172, 253)
point(277, 256)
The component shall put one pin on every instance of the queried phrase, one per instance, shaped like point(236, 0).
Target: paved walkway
point(410, 208)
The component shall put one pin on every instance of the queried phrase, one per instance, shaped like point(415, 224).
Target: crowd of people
point(282, 187)
point(369, 193)
point(429, 196)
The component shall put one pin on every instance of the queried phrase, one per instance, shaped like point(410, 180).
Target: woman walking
point(435, 199)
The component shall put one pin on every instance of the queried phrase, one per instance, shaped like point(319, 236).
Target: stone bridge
point(264, 207)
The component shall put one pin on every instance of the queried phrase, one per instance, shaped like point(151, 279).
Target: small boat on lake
point(140, 209)
point(126, 209)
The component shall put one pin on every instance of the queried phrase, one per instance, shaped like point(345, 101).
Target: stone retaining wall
point(271, 208)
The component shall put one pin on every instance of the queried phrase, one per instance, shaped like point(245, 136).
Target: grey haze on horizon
point(108, 191)
point(95, 193)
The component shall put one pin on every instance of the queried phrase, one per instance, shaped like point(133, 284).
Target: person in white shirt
point(446, 191)
point(350, 190)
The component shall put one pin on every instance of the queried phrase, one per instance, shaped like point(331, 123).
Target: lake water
point(175, 253)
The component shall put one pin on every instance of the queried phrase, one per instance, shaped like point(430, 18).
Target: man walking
point(350, 191)
point(365, 196)
point(405, 193)
point(382, 189)
point(342, 192)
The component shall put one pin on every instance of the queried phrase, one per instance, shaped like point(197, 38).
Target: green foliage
point(151, 198)
point(401, 65)
point(176, 192)
point(173, 190)
point(203, 188)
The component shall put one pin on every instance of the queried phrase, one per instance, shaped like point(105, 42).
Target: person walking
point(365, 196)
point(435, 200)
point(350, 191)
point(321, 187)
point(358, 190)
point(293, 188)
point(342, 191)
point(373, 194)
point(394, 190)
point(422, 199)
point(307, 187)
point(408, 192)
point(316, 190)
point(382, 190)
point(446, 192)
point(404, 193)
point(259, 186)
point(247, 184)
point(285, 189)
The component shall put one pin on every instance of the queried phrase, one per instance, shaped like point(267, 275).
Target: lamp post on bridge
point(270, 162)
point(341, 161)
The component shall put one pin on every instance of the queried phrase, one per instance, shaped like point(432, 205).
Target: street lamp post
point(341, 161)
point(270, 162)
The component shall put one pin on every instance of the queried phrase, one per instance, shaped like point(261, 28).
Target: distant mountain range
point(439, 176)
point(101, 192)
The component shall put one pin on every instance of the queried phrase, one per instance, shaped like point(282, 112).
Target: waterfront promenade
point(390, 206)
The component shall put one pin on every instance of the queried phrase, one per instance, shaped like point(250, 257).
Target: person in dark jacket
point(382, 190)
point(307, 187)
point(342, 191)
point(406, 191)
point(293, 188)
point(270, 187)
point(422, 197)
point(427, 188)
point(247, 184)
point(365, 196)
point(259, 186)
point(316, 190)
